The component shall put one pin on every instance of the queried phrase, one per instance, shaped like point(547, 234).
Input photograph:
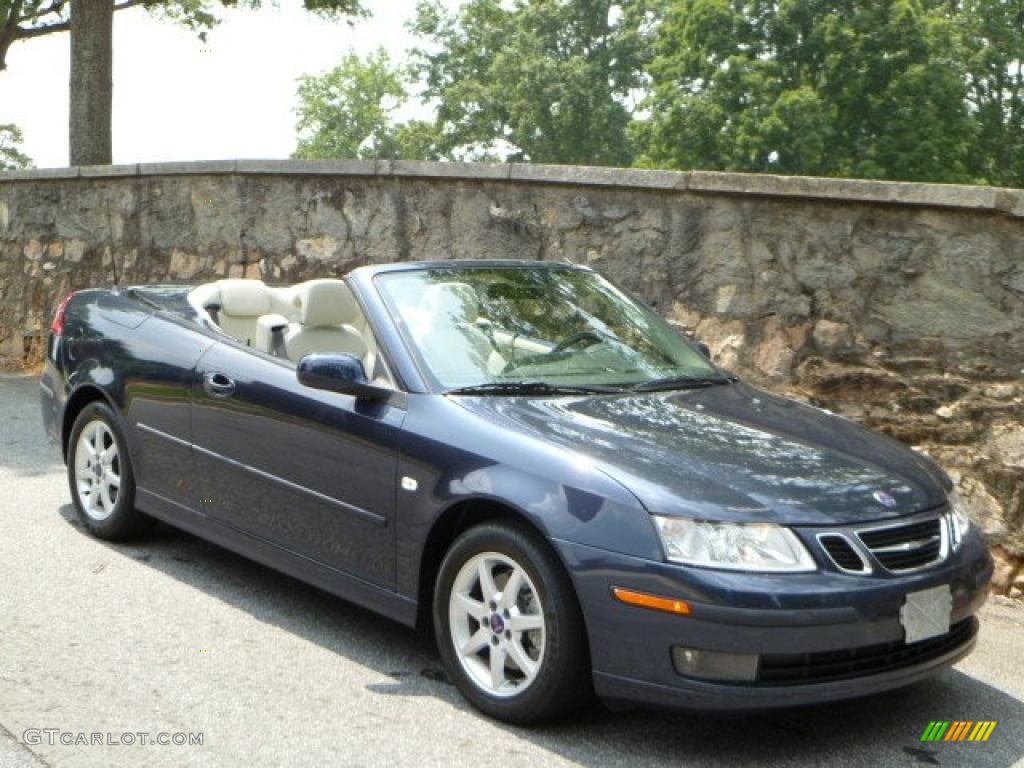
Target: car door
point(308, 470)
point(156, 365)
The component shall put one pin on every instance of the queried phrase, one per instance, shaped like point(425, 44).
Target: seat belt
point(278, 348)
point(213, 310)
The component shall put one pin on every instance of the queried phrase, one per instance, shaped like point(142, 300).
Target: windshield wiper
point(682, 382)
point(530, 388)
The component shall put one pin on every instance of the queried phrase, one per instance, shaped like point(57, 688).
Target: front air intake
point(842, 553)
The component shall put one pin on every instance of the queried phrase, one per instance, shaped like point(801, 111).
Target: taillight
point(57, 326)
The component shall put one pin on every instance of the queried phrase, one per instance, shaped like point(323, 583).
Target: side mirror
point(339, 373)
point(703, 349)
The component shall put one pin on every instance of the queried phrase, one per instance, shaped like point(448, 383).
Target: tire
point(103, 489)
point(525, 656)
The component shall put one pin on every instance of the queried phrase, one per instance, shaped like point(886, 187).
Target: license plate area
point(926, 614)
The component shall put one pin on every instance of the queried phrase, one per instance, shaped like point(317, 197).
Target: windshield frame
point(433, 384)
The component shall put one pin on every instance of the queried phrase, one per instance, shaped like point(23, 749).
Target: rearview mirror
point(339, 373)
point(703, 349)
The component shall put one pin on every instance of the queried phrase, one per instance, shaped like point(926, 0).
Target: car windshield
point(512, 328)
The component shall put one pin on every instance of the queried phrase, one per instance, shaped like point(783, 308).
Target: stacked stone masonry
point(898, 305)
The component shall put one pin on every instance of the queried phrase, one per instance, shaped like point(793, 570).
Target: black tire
point(563, 681)
point(122, 521)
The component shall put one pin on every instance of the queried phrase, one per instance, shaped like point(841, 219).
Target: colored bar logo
point(959, 730)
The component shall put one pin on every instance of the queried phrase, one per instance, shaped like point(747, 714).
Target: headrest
point(243, 298)
point(325, 302)
point(455, 301)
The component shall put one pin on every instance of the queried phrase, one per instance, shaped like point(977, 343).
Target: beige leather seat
point(327, 314)
point(242, 302)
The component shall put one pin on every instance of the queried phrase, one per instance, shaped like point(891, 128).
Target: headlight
point(737, 547)
point(957, 521)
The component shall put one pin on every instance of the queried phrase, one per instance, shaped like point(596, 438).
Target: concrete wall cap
point(976, 198)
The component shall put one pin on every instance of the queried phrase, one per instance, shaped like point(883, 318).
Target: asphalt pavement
point(172, 637)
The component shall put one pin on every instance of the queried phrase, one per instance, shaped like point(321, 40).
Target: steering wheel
point(593, 337)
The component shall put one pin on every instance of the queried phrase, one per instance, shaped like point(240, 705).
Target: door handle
point(218, 385)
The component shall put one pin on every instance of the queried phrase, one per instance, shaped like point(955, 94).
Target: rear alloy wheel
point(509, 627)
point(100, 475)
point(97, 470)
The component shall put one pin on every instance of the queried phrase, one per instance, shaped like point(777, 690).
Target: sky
point(177, 98)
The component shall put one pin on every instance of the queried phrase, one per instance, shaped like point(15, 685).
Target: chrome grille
point(905, 546)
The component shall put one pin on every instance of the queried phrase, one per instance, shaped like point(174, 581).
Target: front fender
point(561, 494)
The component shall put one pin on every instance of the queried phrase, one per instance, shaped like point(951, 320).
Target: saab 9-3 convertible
point(530, 461)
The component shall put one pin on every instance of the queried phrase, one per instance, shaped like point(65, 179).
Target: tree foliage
point(540, 80)
point(929, 90)
point(864, 88)
point(350, 112)
point(992, 40)
point(11, 156)
point(27, 19)
point(892, 89)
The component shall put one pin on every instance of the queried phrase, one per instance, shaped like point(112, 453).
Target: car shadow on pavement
point(878, 730)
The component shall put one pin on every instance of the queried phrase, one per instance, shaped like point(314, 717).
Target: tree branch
point(129, 3)
point(55, 7)
point(12, 17)
point(8, 34)
point(26, 34)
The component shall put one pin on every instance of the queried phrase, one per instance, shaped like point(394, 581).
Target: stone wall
point(899, 305)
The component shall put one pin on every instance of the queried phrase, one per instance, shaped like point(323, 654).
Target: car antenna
point(113, 256)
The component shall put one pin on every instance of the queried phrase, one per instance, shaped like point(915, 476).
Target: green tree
point(992, 34)
point(540, 80)
point(864, 88)
point(11, 157)
point(349, 112)
point(28, 19)
point(91, 25)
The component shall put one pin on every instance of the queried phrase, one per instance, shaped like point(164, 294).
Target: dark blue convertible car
point(524, 457)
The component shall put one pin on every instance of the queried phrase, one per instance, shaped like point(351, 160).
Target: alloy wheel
point(497, 624)
point(97, 470)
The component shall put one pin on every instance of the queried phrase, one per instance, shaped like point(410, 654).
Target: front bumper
point(772, 615)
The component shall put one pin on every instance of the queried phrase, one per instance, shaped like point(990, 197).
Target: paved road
point(174, 635)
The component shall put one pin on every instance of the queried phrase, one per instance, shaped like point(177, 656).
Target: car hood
point(730, 452)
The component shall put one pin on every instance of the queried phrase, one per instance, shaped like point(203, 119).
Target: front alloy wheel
point(497, 624)
point(508, 625)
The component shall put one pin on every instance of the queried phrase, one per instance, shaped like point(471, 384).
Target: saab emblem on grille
point(883, 498)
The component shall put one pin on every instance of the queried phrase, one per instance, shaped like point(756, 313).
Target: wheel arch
point(76, 403)
point(452, 522)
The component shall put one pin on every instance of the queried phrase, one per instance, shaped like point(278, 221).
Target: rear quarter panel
point(141, 360)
